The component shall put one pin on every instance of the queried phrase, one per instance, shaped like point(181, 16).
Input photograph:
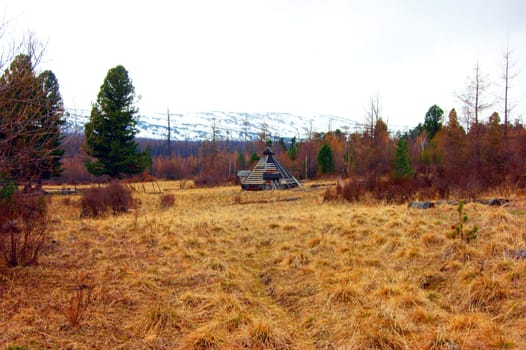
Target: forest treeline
point(437, 157)
point(441, 156)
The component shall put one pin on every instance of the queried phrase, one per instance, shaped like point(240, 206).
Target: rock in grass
point(498, 201)
point(421, 205)
point(516, 253)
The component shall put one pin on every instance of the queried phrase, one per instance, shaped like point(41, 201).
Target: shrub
point(330, 195)
point(348, 190)
point(206, 179)
point(398, 192)
point(115, 198)
point(352, 191)
point(77, 301)
point(167, 200)
point(23, 228)
point(67, 201)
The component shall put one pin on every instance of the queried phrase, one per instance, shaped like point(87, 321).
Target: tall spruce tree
point(433, 121)
point(52, 113)
point(110, 133)
point(401, 161)
point(325, 160)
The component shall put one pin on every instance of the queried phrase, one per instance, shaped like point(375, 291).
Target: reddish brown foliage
point(454, 163)
point(23, 229)
point(114, 198)
point(350, 190)
point(167, 200)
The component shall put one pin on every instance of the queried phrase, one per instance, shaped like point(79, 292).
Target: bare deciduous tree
point(372, 115)
point(508, 76)
point(473, 97)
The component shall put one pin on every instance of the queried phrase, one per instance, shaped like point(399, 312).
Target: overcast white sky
point(325, 56)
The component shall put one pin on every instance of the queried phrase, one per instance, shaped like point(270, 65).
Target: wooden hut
point(268, 174)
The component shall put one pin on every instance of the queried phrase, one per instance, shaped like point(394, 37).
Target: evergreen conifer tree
point(433, 121)
point(30, 122)
point(293, 150)
point(52, 112)
point(110, 133)
point(401, 161)
point(254, 158)
point(325, 160)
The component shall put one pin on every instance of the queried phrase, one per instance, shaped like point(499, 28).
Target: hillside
point(227, 125)
point(222, 269)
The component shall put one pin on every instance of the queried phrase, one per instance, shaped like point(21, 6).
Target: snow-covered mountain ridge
point(197, 126)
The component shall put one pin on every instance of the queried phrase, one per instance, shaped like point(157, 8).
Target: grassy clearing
point(220, 269)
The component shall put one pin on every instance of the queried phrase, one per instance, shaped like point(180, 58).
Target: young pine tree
point(110, 133)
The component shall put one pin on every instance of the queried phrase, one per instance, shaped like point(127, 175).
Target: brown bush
point(167, 200)
point(399, 192)
point(67, 201)
point(330, 195)
point(352, 191)
point(142, 177)
point(210, 180)
point(23, 229)
point(349, 190)
point(113, 199)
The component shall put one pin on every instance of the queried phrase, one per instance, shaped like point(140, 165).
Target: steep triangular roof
point(269, 174)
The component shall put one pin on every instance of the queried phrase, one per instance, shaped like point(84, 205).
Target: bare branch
point(509, 74)
point(473, 97)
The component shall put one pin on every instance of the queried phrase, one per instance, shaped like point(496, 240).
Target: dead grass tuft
point(205, 338)
point(485, 294)
point(431, 240)
point(459, 251)
point(432, 281)
point(157, 319)
point(298, 260)
point(347, 294)
point(264, 335)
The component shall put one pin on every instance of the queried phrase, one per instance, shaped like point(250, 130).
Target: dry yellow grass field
point(221, 269)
